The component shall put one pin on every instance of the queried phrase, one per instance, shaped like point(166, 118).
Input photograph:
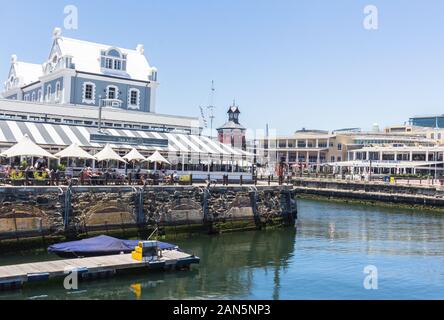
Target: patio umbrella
point(134, 155)
point(156, 157)
point(108, 154)
point(27, 148)
point(74, 151)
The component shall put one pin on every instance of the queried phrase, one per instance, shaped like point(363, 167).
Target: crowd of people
point(29, 173)
point(26, 174)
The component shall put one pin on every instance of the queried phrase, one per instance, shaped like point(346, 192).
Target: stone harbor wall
point(102, 208)
point(402, 194)
point(82, 211)
point(28, 212)
point(172, 206)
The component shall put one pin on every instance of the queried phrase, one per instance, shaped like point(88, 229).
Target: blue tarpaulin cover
point(100, 245)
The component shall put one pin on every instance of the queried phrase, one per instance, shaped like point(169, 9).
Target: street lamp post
point(100, 114)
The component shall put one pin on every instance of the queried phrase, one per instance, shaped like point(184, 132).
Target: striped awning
point(62, 135)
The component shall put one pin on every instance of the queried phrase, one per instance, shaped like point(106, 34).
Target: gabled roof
point(27, 72)
point(86, 57)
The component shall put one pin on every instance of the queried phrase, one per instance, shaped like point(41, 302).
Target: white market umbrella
point(74, 151)
point(27, 148)
point(156, 157)
point(134, 155)
point(108, 154)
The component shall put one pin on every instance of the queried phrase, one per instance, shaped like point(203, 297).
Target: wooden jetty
point(15, 276)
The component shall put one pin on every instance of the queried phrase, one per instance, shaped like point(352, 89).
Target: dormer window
point(113, 59)
point(117, 65)
point(109, 63)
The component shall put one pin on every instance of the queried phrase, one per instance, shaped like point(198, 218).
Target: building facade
point(85, 73)
point(312, 149)
point(434, 121)
point(232, 132)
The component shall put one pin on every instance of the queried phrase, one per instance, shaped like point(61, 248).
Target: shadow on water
point(227, 269)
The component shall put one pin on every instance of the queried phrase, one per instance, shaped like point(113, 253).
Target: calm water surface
point(323, 258)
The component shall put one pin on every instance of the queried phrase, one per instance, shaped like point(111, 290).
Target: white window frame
point(84, 99)
point(48, 93)
point(109, 63)
point(33, 96)
point(117, 64)
point(113, 62)
point(57, 92)
point(117, 92)
point(137, 105)
point(39, 95)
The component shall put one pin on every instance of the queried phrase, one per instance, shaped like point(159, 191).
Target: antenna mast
point(211, 108)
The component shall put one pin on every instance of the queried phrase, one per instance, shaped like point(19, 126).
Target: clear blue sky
point(291, 64)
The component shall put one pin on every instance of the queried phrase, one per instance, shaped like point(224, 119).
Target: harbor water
point(323, 257)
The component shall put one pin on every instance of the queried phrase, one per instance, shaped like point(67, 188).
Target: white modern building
point(393, 159)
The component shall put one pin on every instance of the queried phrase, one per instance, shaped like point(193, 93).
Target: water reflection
point(228, 264)
point(372, 230)
point(323, 260)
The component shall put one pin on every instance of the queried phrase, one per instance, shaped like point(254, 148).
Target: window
point(89, 93)
point(332, 158)
point(57, 91)
point(39, 96)
point(48, 93)
point(282, 143)
point(112, 92)
point(134, 99)
point(33, 97)
point(109, 63)
point(113, 59)
point(117, 64)
point(339, 146)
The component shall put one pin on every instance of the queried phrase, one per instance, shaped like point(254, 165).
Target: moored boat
point(100, 246)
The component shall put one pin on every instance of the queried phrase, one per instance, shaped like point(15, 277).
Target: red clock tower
point(232, 132)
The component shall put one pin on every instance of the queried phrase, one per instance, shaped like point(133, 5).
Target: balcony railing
point(112, 103)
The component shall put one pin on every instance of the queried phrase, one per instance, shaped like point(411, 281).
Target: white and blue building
point(85, 74)
point(92, 94)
